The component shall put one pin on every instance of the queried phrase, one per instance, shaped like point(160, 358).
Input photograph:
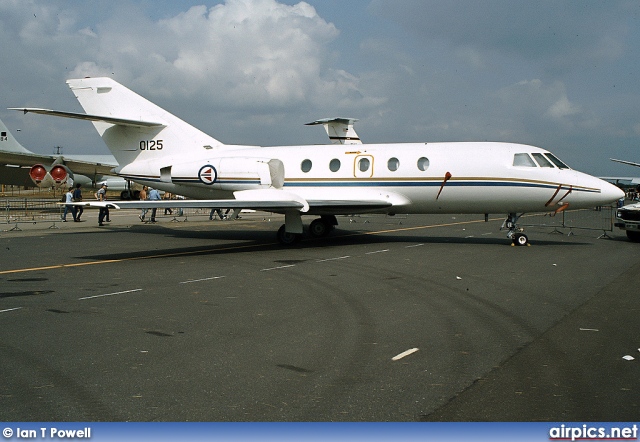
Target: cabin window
point(393, 164)
point(423, 163)
point(306, 166)
point(559, 164)
point(541, 160)
point(523, 160)
point(364, 164)
point(334, 165)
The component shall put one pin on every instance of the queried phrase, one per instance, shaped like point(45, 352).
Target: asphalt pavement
point(406, 318)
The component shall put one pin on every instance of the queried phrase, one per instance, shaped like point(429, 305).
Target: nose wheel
point(514, 232)
point(520, 239)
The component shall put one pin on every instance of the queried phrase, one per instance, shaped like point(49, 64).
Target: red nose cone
point(37, 173)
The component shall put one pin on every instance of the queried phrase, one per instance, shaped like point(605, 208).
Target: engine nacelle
point(232, 173)
point(55, 176)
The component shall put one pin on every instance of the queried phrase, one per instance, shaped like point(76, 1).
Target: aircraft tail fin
point(8, 143)
point(132, 127)
point(340, 130)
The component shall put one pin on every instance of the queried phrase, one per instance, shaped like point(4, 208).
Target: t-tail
point(137, 129)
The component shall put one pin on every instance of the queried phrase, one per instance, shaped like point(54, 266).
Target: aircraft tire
point(319, 228)
point(520, 239)
point(633, 235)
point(287, 239)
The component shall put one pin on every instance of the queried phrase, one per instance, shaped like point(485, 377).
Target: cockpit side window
point(523, 159)
point(541, 160)
point(559, 164)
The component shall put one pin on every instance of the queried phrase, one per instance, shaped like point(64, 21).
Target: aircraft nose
point(610, 192)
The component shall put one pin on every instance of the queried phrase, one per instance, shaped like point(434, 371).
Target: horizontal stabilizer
point(110, 120)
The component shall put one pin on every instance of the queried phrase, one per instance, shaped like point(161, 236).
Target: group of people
point(73, 195)
point(153, 195)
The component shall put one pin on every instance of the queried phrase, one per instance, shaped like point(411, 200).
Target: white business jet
point(156, 148)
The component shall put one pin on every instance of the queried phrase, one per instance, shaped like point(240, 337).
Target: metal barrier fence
point(599, 219)
point(30, 210)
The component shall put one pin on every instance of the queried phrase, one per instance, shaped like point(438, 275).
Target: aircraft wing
point(78, 116)
point(630, 163)
point(271, 206)
point(83, 167)
point(276, 206)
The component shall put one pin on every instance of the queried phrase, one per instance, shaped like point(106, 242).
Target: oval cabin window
point(423, 164)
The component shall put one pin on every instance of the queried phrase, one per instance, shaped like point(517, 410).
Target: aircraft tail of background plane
point(340, 130)
point(133, 128)
point(8, 143)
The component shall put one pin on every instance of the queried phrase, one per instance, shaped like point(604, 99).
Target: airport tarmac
point(414, 318)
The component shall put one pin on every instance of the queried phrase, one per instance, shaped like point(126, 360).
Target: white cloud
point(538, 99)
point(562, 108)
point(243, 53)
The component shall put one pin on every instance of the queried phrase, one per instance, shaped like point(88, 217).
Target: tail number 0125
point(151, 145)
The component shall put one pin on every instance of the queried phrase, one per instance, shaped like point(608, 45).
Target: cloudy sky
point(562, 75)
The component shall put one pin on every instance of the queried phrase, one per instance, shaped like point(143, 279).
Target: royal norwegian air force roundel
point(208, 174)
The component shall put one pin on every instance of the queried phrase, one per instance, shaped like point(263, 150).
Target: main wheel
point(319, 228)
point(520, 239)
point(286, 238)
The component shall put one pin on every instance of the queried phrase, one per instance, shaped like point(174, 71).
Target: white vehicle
point(156, 148)
point(628, 217)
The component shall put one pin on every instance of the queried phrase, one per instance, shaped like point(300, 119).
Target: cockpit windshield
point(542, 160)
point(523, 160)
point(559, 164)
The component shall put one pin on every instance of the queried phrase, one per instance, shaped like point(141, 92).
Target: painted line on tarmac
point(278, 268)
point(109, 294)
point(333, 259)
point(377, 251)
point(404, 354)
point(10, 309)
point(201, 280)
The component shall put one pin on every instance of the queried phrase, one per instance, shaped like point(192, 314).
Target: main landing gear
point(318, 228)
point(515, 233)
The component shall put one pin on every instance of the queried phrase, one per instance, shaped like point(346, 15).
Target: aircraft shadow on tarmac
point(245, 240)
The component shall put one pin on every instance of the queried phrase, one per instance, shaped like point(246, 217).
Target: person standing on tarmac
point(101, 195)
point(143, 197)
point(68, 207)
point(77, 197)
point(154, 195)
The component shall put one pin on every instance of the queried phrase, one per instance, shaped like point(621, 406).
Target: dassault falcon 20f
point(156, 148)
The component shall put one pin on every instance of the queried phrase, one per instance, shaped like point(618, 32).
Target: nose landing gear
point(515, 233)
